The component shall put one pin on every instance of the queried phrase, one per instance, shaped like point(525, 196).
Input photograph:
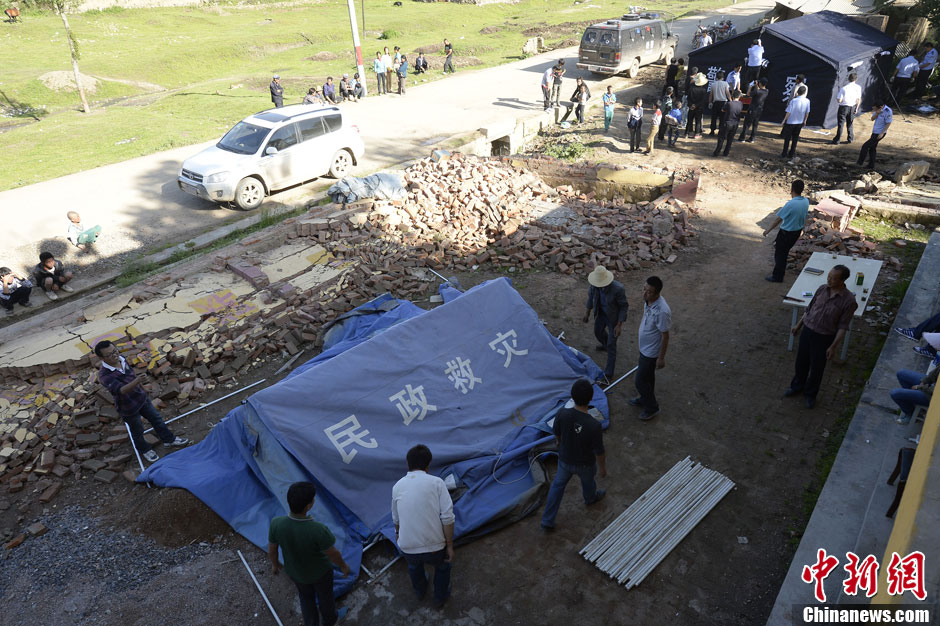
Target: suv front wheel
point(249, 193)
point(340, 164)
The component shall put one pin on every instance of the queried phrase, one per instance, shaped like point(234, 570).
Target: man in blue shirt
point(882, 116)
point(790, 218)
point(608, 299)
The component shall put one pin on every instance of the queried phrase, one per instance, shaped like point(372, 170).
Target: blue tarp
point(475, 379)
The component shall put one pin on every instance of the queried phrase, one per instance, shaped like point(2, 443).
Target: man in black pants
point(791, 218)
point(822, 329)
point(697, 100)
point(309, 556)
point(758, 95)
point(882, 117)
point(793, 121)
point(730, 117)
point(719, 94)
point(850, 99)
point(608, 300)
point(653, 341)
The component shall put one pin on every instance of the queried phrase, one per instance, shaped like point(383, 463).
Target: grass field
point(181, 75)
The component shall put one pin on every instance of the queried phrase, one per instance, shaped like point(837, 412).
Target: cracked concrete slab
point(183, 307)
point(107, 308)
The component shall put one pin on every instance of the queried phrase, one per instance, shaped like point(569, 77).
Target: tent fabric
point(477, 379)
point(825, 47)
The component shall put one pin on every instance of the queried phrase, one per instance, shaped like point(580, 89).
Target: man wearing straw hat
point(608, 300)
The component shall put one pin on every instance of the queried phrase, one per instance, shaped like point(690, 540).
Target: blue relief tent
point(477, 380)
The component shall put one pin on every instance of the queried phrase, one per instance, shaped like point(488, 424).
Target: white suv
point(272, 150)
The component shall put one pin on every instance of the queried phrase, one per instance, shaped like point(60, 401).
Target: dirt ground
point(720, 393)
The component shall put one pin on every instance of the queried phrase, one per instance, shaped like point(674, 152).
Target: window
point(590, 36)
point(310, 128)
point(283, 138)
point(244, 138)
point(333, 122)
point(607, 39)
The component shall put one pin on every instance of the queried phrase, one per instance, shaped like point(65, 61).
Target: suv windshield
point(244, 138)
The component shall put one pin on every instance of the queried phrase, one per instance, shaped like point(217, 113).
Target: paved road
point(139, 205)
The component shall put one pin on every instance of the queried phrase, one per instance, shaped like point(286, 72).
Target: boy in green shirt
point(308, 548)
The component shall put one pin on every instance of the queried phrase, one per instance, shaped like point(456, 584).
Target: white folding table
point(808, 283)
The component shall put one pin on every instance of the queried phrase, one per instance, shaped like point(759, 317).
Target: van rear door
point(601, 47)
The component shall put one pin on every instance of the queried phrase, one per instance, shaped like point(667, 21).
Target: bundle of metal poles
point(635, 543)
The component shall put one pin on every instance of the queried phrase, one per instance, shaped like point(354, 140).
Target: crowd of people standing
point(391, 69)
point(735, 103)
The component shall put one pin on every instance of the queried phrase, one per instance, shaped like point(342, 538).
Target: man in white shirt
point(548, 77)
point(706, 40)
point(652, 341)
point(927, 63)
point(907, 70)
point(423, 514)
point(793, 121)
point(882, 116)
point(755, 57)
point(850, 98)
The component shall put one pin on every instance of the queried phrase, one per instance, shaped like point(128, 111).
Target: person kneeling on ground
point(51, 275)
point(346, 88)
point(580, 440)
point(421, 64)
point(576, 97)
point(357, 87)
point(117, 376)
point(13, 290)
point(77, 234)
point(309, 549)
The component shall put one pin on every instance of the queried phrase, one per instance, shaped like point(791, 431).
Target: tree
point(61, 7)
point(931, 9)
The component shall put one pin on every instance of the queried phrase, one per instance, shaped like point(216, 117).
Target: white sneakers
point(151, 456)
point(52, 295)
point(67, 288)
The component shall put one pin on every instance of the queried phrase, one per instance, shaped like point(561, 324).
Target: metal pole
point(438, 275)
point(289, 363)
point(384, 569)
point(140, 461)
point(208, 404)
point(611, 385)
point(260, 590)
point(358, 48)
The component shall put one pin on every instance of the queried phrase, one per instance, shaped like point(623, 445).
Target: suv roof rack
point(630, 17)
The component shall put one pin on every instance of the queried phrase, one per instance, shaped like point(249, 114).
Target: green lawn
point(190, 72)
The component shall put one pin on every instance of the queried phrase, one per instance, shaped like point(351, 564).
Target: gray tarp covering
point(380, 186)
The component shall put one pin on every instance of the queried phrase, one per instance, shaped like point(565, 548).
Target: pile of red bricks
point(821, 236)
point(73, 429)
point(464, 212)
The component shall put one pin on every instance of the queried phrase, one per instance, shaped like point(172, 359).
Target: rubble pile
point(53, 427)
point(820, 235)
point(460, 214)
point(465, 212)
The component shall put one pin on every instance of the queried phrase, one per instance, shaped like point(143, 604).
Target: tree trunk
point(74, 54)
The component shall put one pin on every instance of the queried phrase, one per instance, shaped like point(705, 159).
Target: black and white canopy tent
point(825, 47)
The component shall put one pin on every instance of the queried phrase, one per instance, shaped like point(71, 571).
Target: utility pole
point(355, 34)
